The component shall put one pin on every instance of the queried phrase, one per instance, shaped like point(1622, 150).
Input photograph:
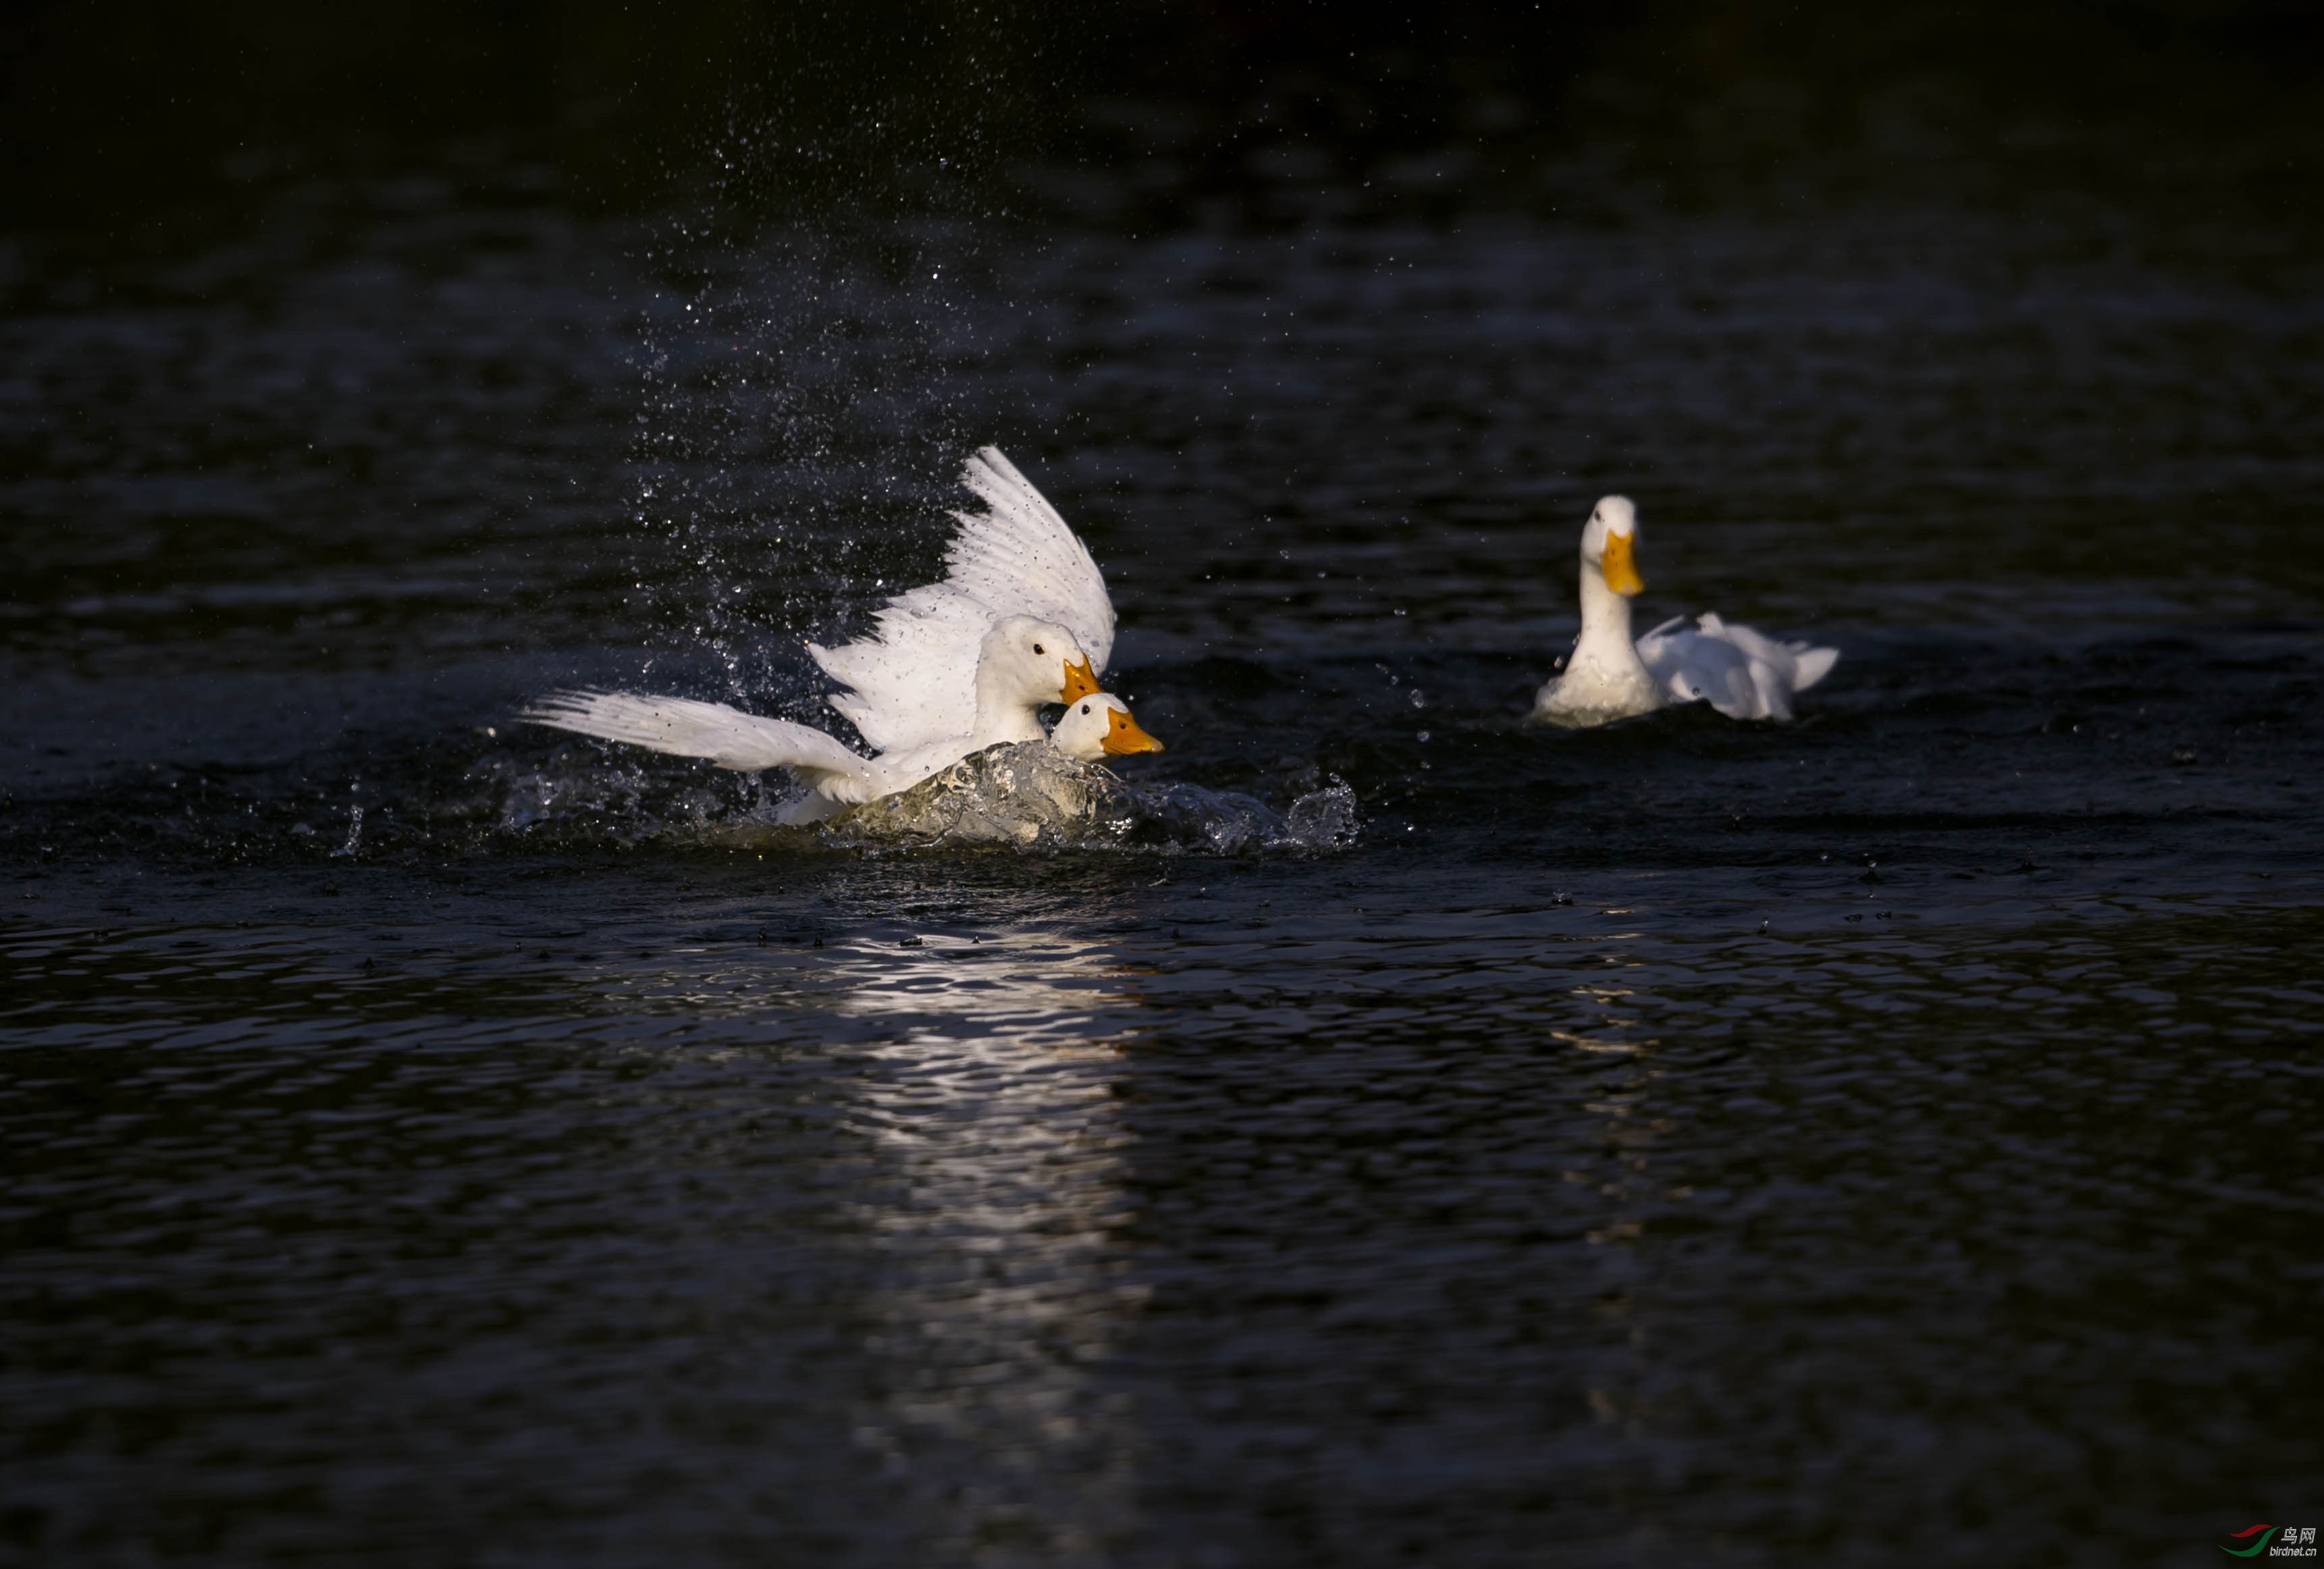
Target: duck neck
point(1605, 637)
point(1002, 712)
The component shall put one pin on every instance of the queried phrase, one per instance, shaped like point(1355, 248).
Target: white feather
point(913, 681)
point(725, 736)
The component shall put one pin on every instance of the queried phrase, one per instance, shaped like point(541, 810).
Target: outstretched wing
point(726, 736)
point(1021, 556)
point(913, 681)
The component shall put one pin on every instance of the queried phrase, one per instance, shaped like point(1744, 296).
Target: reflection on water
point(979, 1158)
point(1366, 1207)
point(1000, 1292)
point(863, 1194)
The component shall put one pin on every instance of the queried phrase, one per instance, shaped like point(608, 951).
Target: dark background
point(126, 123)
point(169, 158)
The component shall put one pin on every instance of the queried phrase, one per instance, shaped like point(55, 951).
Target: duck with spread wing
point(1019, 620)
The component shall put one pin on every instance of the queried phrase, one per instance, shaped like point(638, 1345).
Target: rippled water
point(1890, 1136)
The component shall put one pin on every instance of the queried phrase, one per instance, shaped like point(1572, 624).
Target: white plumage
point(1742, 673)
point(1020, 620)
point(685, 727)
point(1096, 726)
point(1738, 672)
point(913, 680)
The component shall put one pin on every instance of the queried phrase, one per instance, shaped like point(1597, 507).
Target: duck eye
point(1085, 707)
point(1039, 650)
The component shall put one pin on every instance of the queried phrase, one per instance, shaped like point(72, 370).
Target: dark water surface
point(1893, 1137)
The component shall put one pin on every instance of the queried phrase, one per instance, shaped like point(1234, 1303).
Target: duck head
point(1099, 726)
point(1609, 543)
point(1033, 661)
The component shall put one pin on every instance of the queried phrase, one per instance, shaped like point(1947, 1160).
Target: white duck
point(1738, 672)
point(1098, 724)
point(1020, 619)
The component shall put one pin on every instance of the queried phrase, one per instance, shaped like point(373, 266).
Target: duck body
point(1604, 678)
point(1740, 672)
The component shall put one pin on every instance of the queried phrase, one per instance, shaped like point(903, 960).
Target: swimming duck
point(1737, 671)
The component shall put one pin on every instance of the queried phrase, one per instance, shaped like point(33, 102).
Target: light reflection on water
point(994, 1291)
point(981, 1074)
point(1001, 1287)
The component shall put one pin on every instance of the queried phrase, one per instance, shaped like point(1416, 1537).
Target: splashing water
point(1025, 795)
point(354, 834)
point(1030, 796)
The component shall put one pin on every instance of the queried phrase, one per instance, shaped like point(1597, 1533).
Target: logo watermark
point(2274, 1542)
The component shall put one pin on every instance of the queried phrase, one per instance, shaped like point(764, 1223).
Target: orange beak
point(1081, 681)
point(1123, 737)
point(1621, 568)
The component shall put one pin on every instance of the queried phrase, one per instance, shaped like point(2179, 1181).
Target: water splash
point(354, 834)
point(1025, 795)
point(580, 797)
point(1030, 796)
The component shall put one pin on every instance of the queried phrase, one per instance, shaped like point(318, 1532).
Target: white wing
point(1737, 671)
point(914, 678)
point(726, 736)
point(1691, 667)
point(1810, 666)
